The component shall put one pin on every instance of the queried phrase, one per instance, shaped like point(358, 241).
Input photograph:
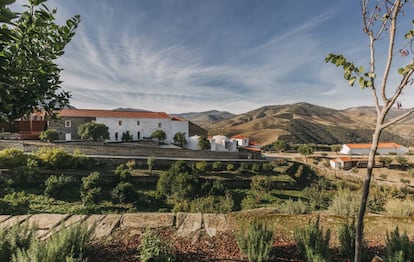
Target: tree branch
point(397, 119)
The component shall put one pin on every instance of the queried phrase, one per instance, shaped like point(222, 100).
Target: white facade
point(192, 142)
point(223, 143)
point(242, 141)
point(140, 128)
point(383, 149)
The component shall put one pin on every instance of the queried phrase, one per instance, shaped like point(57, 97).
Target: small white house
point(192, 142)
point(242, 141)
point(223, 143)
point(383, 149)
point(341, 163)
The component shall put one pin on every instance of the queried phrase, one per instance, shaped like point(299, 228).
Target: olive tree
point(160, 135)
point(30, 44)
point(380, 21)
point(93, 131)
point(179, 139)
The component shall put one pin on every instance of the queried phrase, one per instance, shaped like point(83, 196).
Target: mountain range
point(304, 123)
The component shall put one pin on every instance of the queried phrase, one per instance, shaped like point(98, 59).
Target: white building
point(138, 124)
point(223, 143)
point(242, 141)
point(383, 149)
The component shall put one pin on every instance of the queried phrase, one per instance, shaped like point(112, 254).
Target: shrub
point(150, 162)
point(53, 157)
point(295, 207)
point(90, 190)
point(124, 192)
point(153, 248)
point(267, 167)
point(93, 131)
point(243, 167)
point(398, 248)
point(383, 176)
point(399, 207)
point(217, 166)
point(249, 202)
point(405, 181)
point(255, 241)
point(201, 166)
point(68, 244)
point(260, 185)
point(345, 203)
point(255, 168)
point(312, 243)
point(230, 167)
point(212, 204)
point(346, 236)
point(15, 204)
point(55, 186)
point(12, 157)
point(403, 161)
point(13, 238)
point(123, 172)
point(49, 135)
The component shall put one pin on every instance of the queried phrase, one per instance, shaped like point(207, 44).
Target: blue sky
point(197, 55)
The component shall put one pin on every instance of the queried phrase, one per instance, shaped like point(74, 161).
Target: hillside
point(307, 123)
point(205, 119)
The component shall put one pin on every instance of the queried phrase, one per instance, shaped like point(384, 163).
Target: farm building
point(346, 162)
point(383, 149)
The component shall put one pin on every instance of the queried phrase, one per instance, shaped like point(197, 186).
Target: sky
point(181, 56)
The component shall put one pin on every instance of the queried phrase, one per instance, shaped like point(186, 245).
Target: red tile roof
point(239, 137)
point(111, 113)
point(380, 145)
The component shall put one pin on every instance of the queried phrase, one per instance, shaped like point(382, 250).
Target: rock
point(105, 226)
point(214, 223)
point(4, 218)
point(14, 220)
point(151, 220)
point(46, 221)
point(188, 223)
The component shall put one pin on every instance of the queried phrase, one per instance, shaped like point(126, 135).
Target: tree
point(203, 143)
point(280, 146)
point(159, 135)
point(379, 22)
point(30, 44)
point(150, 163)
point(306, 150)
point(49, 135)
point(93, 131)
point(179, 139)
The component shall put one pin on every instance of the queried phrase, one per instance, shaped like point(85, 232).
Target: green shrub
point(243, 167)
point(255, 240)
point(55, 186)
point(346, 236)
point(201, 166)
point(267, 167)
point(250, 202)
point(318, 197)
point(212, 204)
point(68, 244)
point(230, 167)
point(383, 176)
point(291, 207)
point(398, 248)
point(13, 238)
point(312, 243)
point(12, 157)
point(15, 204)
point(53, 157)
point(123, 172)
point(217, 166)
point(124, 192)
point(153, 248)
point(399, 207)
point(90, 188)
point(261, 185)
point(345, 203)
point(405, 180)
point(255, 168)
point(49, 135)
point(150, 162)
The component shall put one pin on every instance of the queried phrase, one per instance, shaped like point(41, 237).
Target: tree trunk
point(365, 192)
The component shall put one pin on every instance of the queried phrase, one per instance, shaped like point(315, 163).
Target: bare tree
point(379, 20)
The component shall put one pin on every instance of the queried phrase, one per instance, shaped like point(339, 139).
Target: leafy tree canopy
point(159, 135)
point(30, 43)
point(204, 143)
point(179, 139)
point(93, 131)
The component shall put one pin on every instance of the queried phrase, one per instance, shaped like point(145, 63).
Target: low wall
point(127, 149)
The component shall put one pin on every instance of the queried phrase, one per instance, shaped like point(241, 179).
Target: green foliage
point(123, 172)
point(30, 46)
point(280, 146)
point(203, 143)
point(201, 166)
point(212, 204)
point(12, 157)
point(217, 166)
point(243, 167)
point(93, 131)
point(250, 202)
point(306, 149)
point(230, 167)
point(49, 135)
point(318, 195)
point(90, 188)
point(298, 207)
point(150, 162)
point(260, 186)
point(403, 161)
point(312, 243)
point(398, 248)
point(256, 241)
point(16, 203)
point(68, 244)
point(124, 192)
point(346, 236)
point(179, 139)
point(255, 168)
point(153, 248)
point(55, 186)
point(345, 203)
point(386, 161)
point(14, 238)
point(53, 157)
point(267, 167)
point(126, 137)
point(159, 135)
point(399, 207)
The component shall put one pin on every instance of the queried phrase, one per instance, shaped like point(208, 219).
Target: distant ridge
point(205, 119)
point(130, 109)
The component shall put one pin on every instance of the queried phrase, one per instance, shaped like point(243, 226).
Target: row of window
point(68, 123)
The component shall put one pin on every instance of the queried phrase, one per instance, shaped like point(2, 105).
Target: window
point(159, 125)
point(120, 123)
point(68, 123)
point(138, 123)
point(116, 136)
point(138, 135)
